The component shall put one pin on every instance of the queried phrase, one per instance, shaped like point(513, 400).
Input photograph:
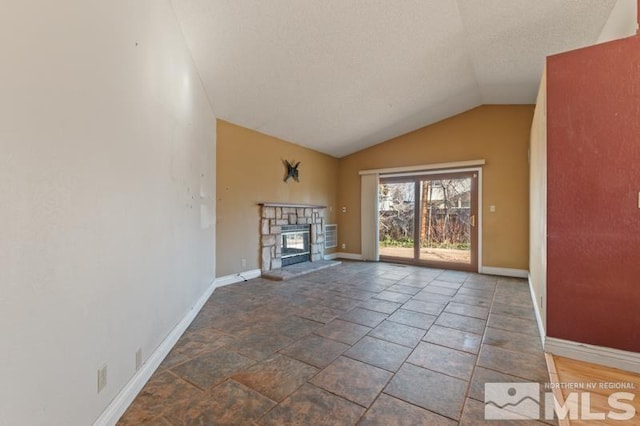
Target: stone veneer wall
point(273, 217)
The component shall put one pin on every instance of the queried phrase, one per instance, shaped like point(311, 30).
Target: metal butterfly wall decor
point(292, 170)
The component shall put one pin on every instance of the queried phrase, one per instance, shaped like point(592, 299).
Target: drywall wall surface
point(497, 133)
point(107, 199)
point(250, 170)
point(593, 151)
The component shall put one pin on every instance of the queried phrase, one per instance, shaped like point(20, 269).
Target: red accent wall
point(593, 252)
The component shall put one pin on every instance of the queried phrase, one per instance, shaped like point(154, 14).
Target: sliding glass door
point(430, 219)
point(396, 216)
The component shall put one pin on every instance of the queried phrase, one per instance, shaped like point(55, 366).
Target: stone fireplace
point(297, 219)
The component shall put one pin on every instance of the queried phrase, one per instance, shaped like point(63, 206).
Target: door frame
point(415, 177)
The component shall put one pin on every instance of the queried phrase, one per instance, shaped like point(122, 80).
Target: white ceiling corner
point(338, 76)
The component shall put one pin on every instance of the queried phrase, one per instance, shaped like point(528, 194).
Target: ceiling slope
point(338, 76)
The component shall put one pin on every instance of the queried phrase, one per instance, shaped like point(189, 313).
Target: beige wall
point(250, 170)
point(106, 134)
point(498, 134)
point(538, 197)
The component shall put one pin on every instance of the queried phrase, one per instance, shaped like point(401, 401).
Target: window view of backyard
point(444, 232)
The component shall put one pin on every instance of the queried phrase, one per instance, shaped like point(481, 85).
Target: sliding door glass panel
point(396, 219)
point(446, 218)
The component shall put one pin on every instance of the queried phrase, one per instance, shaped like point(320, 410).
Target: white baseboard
point(504, 272)
point(125, 397)
point(236, 278)
point(350, 256)
point(536, 309)
point(331, 256)
point(616, 358)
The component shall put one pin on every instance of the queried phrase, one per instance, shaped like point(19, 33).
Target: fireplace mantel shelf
point(273, 204)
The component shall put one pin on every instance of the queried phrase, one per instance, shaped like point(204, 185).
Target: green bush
point(402, 242)
point(455, 246)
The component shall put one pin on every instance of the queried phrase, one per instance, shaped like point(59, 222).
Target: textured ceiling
point(338, 76)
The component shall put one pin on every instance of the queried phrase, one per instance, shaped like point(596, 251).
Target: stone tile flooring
point(359, 343)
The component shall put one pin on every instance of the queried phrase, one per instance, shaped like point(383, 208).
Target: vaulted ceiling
point(338, 76)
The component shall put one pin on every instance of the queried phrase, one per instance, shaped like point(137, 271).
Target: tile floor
point(359, 343)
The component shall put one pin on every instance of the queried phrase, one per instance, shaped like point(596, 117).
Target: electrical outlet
point(102, 378)
point(138, 359)
point(243, 263)
point(344, 246)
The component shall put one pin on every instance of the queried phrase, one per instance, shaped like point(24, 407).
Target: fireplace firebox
point(295, 244)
